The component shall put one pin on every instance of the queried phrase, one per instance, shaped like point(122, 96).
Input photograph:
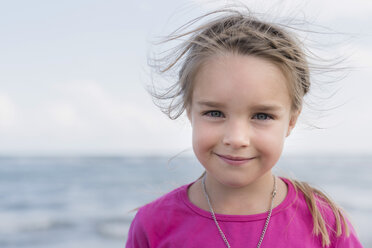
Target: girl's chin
point(235, 182)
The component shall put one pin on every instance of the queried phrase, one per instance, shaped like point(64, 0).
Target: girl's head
point(241, 82)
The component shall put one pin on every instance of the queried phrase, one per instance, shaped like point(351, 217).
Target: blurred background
point(82, 144)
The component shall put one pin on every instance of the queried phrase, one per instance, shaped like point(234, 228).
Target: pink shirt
point(173, 221)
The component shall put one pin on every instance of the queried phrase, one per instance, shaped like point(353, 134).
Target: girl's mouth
point(234, 160)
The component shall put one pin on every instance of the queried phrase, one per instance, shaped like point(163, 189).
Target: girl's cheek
point(205, 134)
point(202, 132)
point(270, 140)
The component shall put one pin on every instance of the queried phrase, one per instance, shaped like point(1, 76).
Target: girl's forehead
point(240, 78)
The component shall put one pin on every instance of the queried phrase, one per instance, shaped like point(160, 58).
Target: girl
point(241, 83)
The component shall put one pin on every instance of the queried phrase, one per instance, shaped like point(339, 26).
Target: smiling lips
point(234, 160)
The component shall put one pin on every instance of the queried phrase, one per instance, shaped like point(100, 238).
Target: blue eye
point(262, 116)
point(214, 114)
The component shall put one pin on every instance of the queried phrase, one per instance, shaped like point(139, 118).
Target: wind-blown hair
point(238, 32)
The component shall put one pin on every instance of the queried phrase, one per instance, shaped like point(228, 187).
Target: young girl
point(241, 83)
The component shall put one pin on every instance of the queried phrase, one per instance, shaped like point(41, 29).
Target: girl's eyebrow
point(210, 104)
point(258, 107)
point(268, 107)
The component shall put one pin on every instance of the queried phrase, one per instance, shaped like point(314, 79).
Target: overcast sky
point(72, 76)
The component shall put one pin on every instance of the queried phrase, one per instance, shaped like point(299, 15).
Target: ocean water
point(76, 202)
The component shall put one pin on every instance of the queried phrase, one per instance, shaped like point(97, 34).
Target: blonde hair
point(240, 33)
point(314, 197)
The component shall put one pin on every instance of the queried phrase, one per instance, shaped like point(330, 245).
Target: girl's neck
point(250, 199)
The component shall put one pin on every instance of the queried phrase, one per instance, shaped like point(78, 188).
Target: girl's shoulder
point(156, 219)
point(163, 207)
point(329, 221)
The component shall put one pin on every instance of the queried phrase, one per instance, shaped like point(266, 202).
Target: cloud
point(318, 9)
point(7, 111)
point(64, 114)
point(84, 117)
point(361, 57)
point(87, 103)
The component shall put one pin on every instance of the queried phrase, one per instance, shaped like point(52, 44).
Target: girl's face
point(240, 116)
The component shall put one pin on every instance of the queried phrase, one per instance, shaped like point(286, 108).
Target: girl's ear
point(293, 121)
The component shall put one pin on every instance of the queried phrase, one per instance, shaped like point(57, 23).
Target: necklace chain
point(218, 226)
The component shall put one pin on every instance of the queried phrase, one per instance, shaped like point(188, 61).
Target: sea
point(74, 202)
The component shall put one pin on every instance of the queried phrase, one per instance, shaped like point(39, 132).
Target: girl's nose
point(237, 135)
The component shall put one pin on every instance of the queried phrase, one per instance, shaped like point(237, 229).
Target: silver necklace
point(218, 226)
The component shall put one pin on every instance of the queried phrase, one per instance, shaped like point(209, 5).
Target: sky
point(73, 76)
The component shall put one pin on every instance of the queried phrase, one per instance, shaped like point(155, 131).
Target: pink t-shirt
point(173, 221)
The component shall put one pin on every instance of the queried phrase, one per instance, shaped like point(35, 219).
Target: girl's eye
point(214, 114)
point(262, 116)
